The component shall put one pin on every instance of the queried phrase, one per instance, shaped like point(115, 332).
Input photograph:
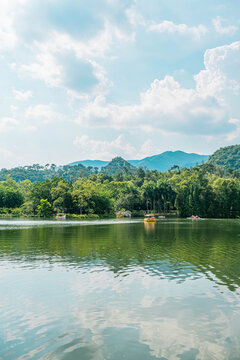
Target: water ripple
point(119, 290)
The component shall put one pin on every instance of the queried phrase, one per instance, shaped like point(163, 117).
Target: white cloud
point(8, 124)
point(135, 18)
point(182, 29)
point(232, 136)
point(101, 88)
point(148, 148)
point(223, 30)
point(102, 149)
point(22, 95)
point(58, 43)
point(165, 106)
point(8, 35)
point(46, 68)
point(168, 107)
point(42, 113)
point(221, 74)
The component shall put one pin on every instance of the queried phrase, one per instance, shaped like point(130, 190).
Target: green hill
point(228, 157)
point(167, 159)
point(116, 165)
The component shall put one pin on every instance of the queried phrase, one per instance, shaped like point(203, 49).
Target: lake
point(120, 290)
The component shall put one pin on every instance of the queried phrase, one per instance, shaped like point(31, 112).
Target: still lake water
point(120, 290)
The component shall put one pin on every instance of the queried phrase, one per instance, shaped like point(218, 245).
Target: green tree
point(44, 208)
point(61, 196)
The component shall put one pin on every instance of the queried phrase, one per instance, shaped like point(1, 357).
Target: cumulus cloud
point(49, 68)
point(221, 29)
point(92, 62)
point(168, 107)
point(221, 79)
point(181, 29)
point(221, 73)
point(46, 68)
point(102, 149)
point(165, 105)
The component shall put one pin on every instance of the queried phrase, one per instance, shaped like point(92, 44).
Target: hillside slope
point(167, 159)
point(228, 157)
point(118, 164)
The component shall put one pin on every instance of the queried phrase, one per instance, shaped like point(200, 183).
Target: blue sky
point(99, 78)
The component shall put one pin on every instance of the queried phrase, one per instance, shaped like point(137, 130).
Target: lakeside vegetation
point(207, 190)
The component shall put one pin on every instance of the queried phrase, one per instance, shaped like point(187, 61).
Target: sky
point(103, 78)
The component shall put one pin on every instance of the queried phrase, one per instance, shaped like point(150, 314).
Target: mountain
point(93, 163)
point(161, 162)
point(118, 164)
point(167, 159)
point(228, 157)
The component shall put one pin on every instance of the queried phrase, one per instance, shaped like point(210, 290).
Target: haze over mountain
point(161, 162)
point(94, 163)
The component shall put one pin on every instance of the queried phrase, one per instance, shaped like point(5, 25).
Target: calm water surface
point(120, 290)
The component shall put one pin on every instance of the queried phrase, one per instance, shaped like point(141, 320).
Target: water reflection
point(171, 249)
point(149, 226)
point(109, 291)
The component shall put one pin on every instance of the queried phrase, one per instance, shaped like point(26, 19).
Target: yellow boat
point(149, 218)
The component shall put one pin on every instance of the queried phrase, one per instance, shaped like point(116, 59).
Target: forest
point(208, 191)
point(228, 157)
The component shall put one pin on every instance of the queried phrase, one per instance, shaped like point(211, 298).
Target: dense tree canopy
point(37, 172)
point(206, 190)
point(228, 157)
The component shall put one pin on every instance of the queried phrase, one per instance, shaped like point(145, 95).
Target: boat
point(195, 217)
point(149, 218)
point(162, 217)
point(61, 216)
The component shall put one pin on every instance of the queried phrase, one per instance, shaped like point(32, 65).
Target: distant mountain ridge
point(93, 163)
point(161, 162)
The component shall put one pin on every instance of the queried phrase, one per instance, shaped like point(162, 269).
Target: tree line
point(38, 172)
point(206, 191)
